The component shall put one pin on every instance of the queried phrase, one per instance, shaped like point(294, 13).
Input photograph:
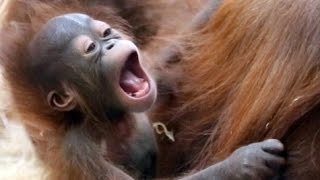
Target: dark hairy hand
point(256, 161)
point(260, 160)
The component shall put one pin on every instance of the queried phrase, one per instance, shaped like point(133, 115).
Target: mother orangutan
point(251, 73)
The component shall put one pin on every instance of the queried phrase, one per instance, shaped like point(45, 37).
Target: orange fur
point(44, 126)
point(253, 72)
point(46, 135)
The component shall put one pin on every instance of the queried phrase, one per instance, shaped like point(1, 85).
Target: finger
point(273, 162)
point(273, 146)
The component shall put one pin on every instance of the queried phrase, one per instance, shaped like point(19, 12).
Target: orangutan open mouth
point(133, 79)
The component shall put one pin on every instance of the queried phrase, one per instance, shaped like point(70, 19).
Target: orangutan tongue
point(130, 83)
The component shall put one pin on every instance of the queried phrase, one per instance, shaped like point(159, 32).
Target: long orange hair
point(252, 73)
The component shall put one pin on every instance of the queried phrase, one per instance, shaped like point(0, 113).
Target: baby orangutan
point(81, 82)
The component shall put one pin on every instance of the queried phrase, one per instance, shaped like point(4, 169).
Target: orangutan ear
point(61, 101)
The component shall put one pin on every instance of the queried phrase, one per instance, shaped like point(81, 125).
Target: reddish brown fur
point(253, 72)
point(258, 77)
point(48, 135)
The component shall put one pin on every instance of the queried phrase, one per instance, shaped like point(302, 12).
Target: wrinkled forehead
point(69, 25)
point(58, 32)
point(62, 29)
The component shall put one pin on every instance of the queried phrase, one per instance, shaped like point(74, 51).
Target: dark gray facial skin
point(92, 47)
point(92, 75)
